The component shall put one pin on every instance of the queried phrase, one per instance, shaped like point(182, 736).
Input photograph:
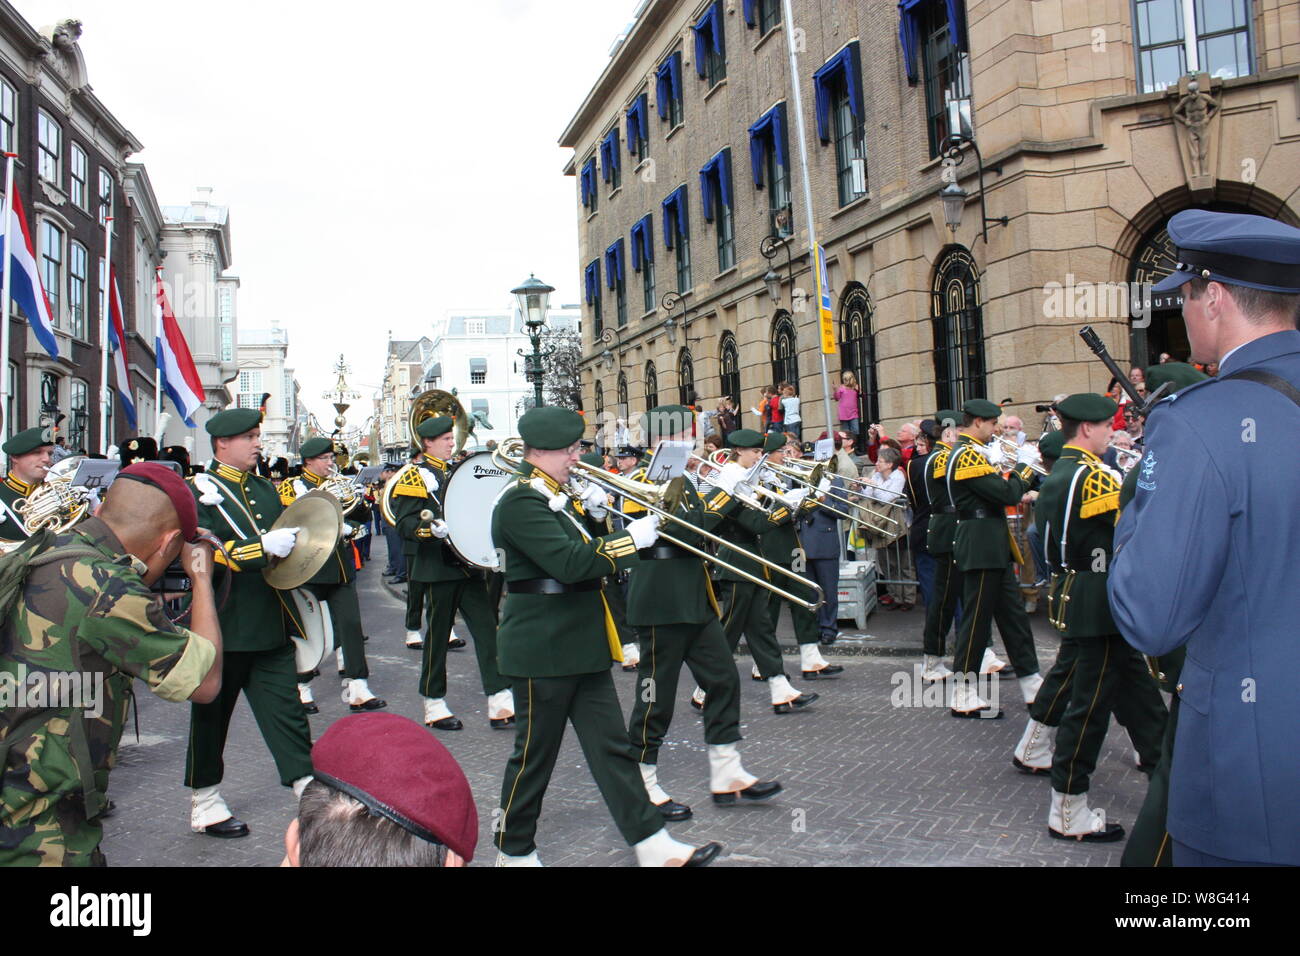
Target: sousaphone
point(435, 403)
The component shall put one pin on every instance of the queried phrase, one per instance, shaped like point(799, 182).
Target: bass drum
point(467, 501)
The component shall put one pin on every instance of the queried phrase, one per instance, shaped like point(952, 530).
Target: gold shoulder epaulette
point(288, 491)
point(971, 464)
point(940, 467)
point(1100, 492)
point(410, 483)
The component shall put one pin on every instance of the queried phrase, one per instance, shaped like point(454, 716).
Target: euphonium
point(341, 487)
point(55, 504)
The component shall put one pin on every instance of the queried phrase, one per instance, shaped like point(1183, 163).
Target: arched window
point(622, 394)
point(958, 315)
point(79, 417)
point(858, 349)
point(729, 354)
point(598, 399)
point(685, 378)
point(651, 386)
point(785, 351)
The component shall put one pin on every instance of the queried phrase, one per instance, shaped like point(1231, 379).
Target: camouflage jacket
point(94, 620)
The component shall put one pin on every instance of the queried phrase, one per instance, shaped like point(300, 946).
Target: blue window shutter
point(635, 233)
point(842, 65)
point(663, 88)
point(637, 130)
point(648, 238)
point(758, 134)
point(593, 281)
point(675, 73)
point(670, 218)
point(708, 30)
point(614, 264)
point(909, 31)
point(724, 176)
point(957, 24)
point(706, 188)
point(768, 133)
point(749, 12)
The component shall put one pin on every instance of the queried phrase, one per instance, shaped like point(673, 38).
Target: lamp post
point(952, 195)
point(534, 298)
point(342, 395)
point(772, 280)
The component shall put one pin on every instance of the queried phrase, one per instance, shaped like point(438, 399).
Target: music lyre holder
point(1143, 405)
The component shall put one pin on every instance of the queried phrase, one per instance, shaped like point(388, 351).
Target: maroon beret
point(173, 486)
point(398, 770)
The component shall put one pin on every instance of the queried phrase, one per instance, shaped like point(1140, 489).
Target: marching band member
point(557, 642)
point(336, 582)
point(449, 585)
point(600, 519)
point(939, 535)
point(239, 508)
point(671, 602)
point(30, 454)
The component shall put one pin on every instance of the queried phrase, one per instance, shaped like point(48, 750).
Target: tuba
point(435, 403)
point(55, 504)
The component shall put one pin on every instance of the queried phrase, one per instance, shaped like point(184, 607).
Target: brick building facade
point(1091, 137)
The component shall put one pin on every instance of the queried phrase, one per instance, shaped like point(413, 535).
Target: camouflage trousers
point(42, 833)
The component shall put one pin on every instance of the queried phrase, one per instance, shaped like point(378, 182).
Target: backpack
point(15, 567)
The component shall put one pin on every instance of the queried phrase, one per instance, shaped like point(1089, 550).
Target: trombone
point(1009, 447)
point(811, 477)
point(651, 497)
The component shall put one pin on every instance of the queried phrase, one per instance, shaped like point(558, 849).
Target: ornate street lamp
point(953, 196)
point(534, 298)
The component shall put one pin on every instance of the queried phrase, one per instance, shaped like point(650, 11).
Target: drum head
point(467, 502)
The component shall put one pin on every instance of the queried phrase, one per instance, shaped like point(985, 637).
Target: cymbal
point(319, 521)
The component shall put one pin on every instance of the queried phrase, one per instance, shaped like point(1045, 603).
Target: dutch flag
point(180, 379)
point(117, 343)
point(25, 286)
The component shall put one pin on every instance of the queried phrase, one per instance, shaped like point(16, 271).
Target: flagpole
point(106, 308)
point(157, 356)
point(8, 215)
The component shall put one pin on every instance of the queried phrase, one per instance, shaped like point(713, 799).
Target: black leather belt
point(663, 552)
point(948, 510)
point(551, 586)
point(976, 513)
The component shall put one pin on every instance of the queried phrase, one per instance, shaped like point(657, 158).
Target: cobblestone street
point(866, 782)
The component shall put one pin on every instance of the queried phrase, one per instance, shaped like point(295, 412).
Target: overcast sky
point(382, 162)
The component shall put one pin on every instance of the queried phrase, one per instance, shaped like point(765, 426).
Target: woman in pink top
point(847, 395)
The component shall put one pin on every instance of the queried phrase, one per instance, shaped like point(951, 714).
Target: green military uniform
point(447, 583)
point(780, 544)
point(335, 583)
point(940, 534)
point(258, 656)
point(983, 551)
point(615, 584)
point(672, 605)
point(556, 642)
point(745, 604)
point(13, 488)
point(88, 614)
point(1077, 507)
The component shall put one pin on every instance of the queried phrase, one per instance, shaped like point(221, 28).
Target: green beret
point(28, 441)
point(981, 408)
point(435, 427)
point(665, 421)
point(745, 438)
point(314, 447)
point(550, 427)
point(1179, 374)
point(1051, 444)
point(775, 441)
point(593, 458)
point(946, 417)
point(233, 421)
point(1087, 407)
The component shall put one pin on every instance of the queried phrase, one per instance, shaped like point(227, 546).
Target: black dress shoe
point(704, 855)
point(447, 723)
point(826, 640)
point(758, 791)
point(1112, 833)
point(1025, 768)
point(501, 723)
point(758, 677)
point(987, 713)
point(228, 829)
point(696, 704)
point(417, 646)
point(830, 670)
point(671, 810)
point(456, 643)
point(110, 807)
point(311, 708)
point(631, 667)
point(374, 703)
point(400, 579)
point(803, 700)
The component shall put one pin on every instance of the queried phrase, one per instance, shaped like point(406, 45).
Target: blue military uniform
point(1203, 557)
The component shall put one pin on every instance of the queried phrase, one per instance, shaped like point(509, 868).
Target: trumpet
point(1010, 448)
point(653, 498)
point(1134, 455)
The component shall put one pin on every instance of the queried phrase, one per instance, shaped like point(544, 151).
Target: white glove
point(439, 528)
point(823, 486)
point(279, 542)
point(793, 499)
point(729, 476)
point(595, 501)
point(995, 453)
point(644, 531)
point(1028, 455)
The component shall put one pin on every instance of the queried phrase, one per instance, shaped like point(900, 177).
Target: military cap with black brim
point(314, 447)
point(28, 440)
point(1052, 444)
point(550, 428)
point(595, 459)
point(981, 408)
point(435, 427)
point(775, 441)
point(232, 422)
point(1239, 249)
point(1087, 407)
point(1177, 375)
point(745, 438)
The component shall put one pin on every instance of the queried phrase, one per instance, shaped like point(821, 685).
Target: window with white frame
point(8, 117)
point(475, 326)
point(1218, 42)
point(288, 395)
point(226, 314)
point(52, 266)
point(478, 371)
point(78, 262)
point(78, 188)
point(250, 388)
point(49, 137)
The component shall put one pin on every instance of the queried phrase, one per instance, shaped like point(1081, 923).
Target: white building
point(261, 355)
point(196, 244)
point(475, 353)
point(403, 367)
